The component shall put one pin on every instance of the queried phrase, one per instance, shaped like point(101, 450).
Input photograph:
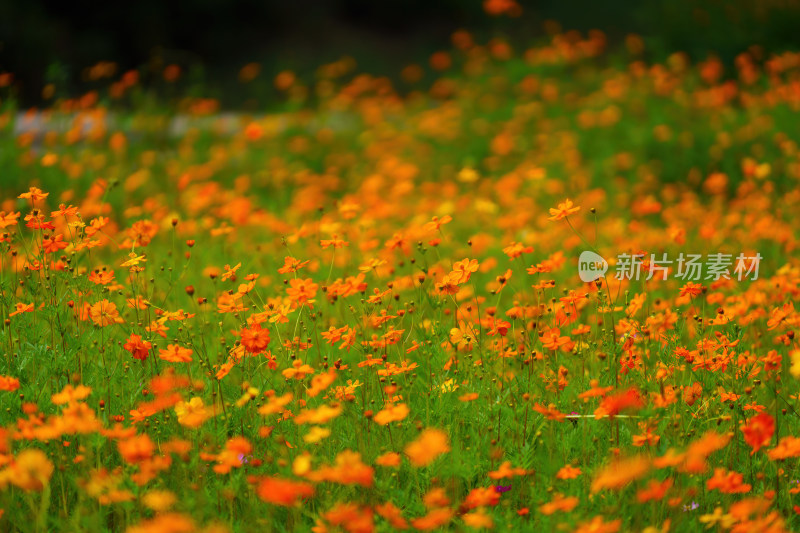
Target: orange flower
point(392, 514)
point(462, 270)
point(320, 382)
point(568, 472)
point(371, 264)
point(786, 448)
point(104, 313)
point(563, 210)
point(389, 459)
point(481, 497)
point(436, 223)
point(699, 450)
point(320, 415)
point(230, 303)
point(559, 503)
point(236, 449)
point(348, 469)
point(20, 308)
point(550, 412)
point(104, 486)
point(553, 340)
point(299, 370)
point(478, 519)
point(430, 444)
point(436, 497)
point(101, 276)
point(595, 391)
point(598, 525)
point(692, 289)
point(335, 241)
point(171, 73)
point(276, 404)
point(284, 80)
point(433, 520)
point(620, 473)
point(230, 273)
point(507, 471)
point(496, 8)
point(758, 431)
point(392, 413)
point(30, 470)
point(449, 284)
point(138, 348)
point(655, 490)
point(53, 244)
point(255, 339)
point(691, 394)
point(613, 405)
point(70, 394)
point(176, 354)
point(8, 219)
point(164, 523)
point(351, 518)
point(34, 194)
point(253, 131)
point(7, 383)
point(136, 449)
point(516, 249)
point(302, 291)
point(290, 264)
point(285, 492)
point(727, 482)
point(647, 437)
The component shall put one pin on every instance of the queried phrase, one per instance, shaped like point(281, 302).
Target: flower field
point(364, 313)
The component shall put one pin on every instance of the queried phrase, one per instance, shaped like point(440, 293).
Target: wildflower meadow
point(369, 310)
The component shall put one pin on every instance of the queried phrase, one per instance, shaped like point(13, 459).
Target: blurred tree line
point(52, 41)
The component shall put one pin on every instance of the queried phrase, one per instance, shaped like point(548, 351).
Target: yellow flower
point(134, 260)
point(159, 500)
point(468, 175)
point(795, 368)
point(725, 521)
point(251, 393)
point(316, 434)
point(448, 386)
point(479, 519)
point(192, 413)
point(301, 464)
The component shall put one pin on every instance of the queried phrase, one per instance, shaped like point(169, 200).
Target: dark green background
point(45, 41)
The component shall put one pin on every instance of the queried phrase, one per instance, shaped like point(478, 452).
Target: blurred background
point(54, 42)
